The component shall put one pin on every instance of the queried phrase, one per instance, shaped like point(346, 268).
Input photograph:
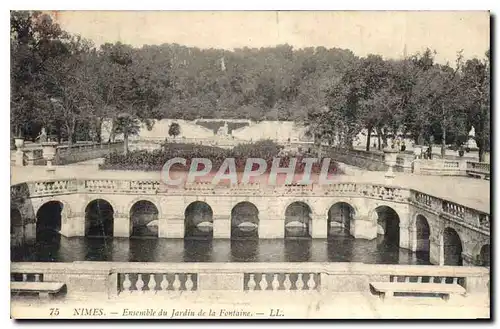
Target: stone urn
point(417, 151)
point(390, 158)
point(49, 152)
point(19, 143)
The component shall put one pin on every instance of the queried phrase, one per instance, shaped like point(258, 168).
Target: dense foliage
point(155, 160)
point(62, 82)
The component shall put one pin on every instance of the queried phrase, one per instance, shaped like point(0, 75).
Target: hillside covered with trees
point(66, 84)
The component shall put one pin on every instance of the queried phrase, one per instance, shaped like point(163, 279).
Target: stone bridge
point(453, 234)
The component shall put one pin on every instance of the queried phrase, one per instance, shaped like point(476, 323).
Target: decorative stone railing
point(281, 281)
point(65, 154)
point(440, 167)
point(108, 280)
point(478, 169)
point(474, 218)
point(156, 282)
point(359, 158)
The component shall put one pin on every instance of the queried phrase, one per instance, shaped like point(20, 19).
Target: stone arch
point(141, 198)
point(452, 247)
point(481, 254)
point(340, 216)
point(144, 219)
point(328, 205)
point(388, 223)
point(16, 227)
point(422, 233)
point(99, 218)
point(245, 220)
point(49, 217)
point(484, 255)
point(298, 220)
point(198, 220)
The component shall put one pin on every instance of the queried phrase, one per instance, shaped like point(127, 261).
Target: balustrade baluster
point(177, 283)
point(299, 283)
point(189, 283)
point(152, 282)
point(139, 284)
point(287, 284)
point(407, 279)
point(251, 282)
point(25, 277)
point(275, 284)
point(263, 282)
point(311, 283)
point(37, 277)
point(455, 280)
point(164, 283)
point(443, 279)
point(419, 279)
point(431, 279)
point(127, 284)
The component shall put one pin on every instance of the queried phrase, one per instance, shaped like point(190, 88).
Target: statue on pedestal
point(42, 136)
point(223, 131)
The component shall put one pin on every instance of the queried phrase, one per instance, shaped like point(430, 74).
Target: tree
point(34, 39)
point(127, 125)
point(475, 100)
point(174, 129)
point(68, 85)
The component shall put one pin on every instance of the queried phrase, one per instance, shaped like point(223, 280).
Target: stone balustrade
point(281, 281)
point(474, 218)
point(439, 167)
point(478, 169)
point(66, 154)
point(117, 280)
point(156, 282)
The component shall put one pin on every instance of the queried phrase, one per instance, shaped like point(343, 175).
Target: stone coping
point(320, 267)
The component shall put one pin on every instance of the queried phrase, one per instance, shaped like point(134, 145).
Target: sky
point(385, 33)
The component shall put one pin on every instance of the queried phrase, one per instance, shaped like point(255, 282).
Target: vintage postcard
point(250, 164)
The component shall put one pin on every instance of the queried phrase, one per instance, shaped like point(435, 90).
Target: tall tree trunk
point(368, 138)
point(443, 141)
point(480, 146)
point(125, 143)
point(111, 138)
point(98, 130)
point(443, 137)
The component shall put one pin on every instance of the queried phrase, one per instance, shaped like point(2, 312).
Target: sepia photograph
point(181, 165)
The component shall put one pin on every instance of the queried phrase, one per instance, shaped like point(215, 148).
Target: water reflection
point(337, 248)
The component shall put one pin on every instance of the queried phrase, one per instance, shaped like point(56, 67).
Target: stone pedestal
point(272, 228)
point(220, 281)
point(49, 153)
point(121, 227)
point(19, 157)
point(222, 227)
point(390, 158)
point(363, 228)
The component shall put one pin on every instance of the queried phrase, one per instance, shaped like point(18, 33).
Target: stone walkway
point(470, 192)
point(259, 305)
